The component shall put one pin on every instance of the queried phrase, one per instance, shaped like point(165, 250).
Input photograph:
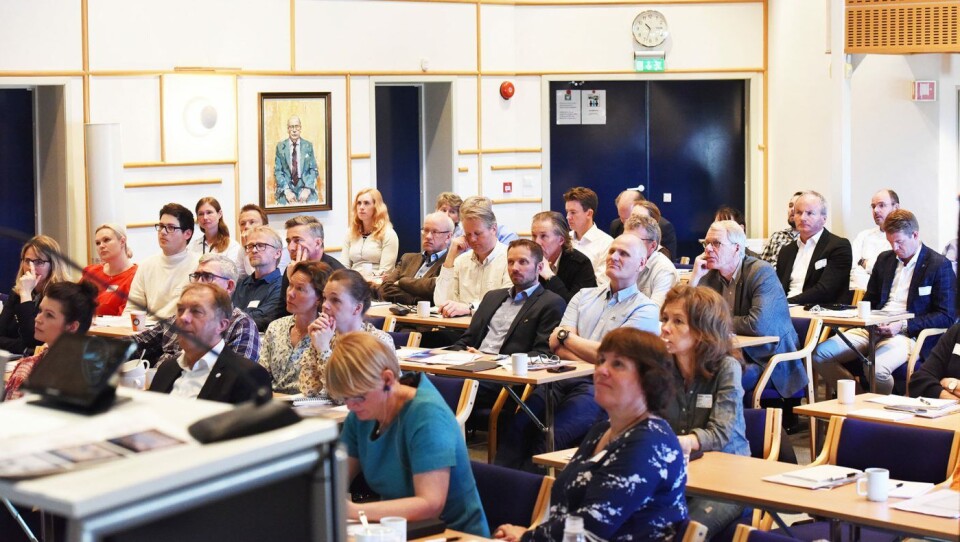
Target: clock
point(650, 28)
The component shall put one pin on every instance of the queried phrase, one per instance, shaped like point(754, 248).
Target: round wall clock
point(650, 28)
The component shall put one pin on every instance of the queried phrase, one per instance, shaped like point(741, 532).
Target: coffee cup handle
point(861, 492)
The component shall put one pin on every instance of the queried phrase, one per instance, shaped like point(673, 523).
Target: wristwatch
point(952, 388)
point(562, 335)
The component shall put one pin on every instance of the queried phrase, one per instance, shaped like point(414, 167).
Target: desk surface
point(110, 331)
point(736, 478)
point(746, 341)
point(557, 459)
point(826, 409)
point(875, 319)
point(105, 487)
point(502, 374)
point(383, 311)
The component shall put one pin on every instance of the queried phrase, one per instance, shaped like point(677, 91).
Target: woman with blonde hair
point(371, 242)
point(214, 233)
point(707, 411)
point(403, 437)
point(114, 274)
point(40, 266)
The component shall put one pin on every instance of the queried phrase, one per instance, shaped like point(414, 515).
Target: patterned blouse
point(19, 375)
point(313, 377)
point(632, 490)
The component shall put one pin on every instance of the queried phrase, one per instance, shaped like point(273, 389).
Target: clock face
point(650, 28)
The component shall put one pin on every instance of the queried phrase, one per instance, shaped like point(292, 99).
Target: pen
point(898, 485)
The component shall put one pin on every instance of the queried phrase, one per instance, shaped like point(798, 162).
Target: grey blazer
point(760, 308)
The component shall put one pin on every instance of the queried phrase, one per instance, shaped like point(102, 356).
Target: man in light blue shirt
point(590, 315)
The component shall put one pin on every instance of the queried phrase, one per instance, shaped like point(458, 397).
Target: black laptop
point(77, 372)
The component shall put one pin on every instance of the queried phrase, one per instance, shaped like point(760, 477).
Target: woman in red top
point(114, 274)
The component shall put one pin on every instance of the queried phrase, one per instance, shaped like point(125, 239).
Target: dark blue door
point(398, 160)
point(686, 138)
point(16, 178)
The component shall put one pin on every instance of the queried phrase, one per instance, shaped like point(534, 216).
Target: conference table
point(870, 324)
point(824, 410)
point(434, 320)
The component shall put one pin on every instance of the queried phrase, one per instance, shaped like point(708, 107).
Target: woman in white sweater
point(371, 245)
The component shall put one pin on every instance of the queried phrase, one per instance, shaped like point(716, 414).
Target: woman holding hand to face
point(346, 299)
point(40, 266)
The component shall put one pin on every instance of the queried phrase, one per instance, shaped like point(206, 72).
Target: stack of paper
point(819, 477)
point(944, 503)
point(877, 414)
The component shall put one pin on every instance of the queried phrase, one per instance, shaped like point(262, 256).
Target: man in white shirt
point(206, 369)
point(658, 274)
point(869, 243)
point(161, 278)
point(909, 278)
point(466, 277)
point(581, 205)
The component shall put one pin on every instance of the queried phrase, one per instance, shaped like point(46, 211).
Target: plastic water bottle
point(573, 529)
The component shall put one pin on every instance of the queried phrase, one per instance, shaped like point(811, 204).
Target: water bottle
point(573, 529)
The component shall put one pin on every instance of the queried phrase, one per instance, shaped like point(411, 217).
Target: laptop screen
point(78, 367)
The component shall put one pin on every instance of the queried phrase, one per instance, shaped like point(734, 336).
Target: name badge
point(956, 350)
point(704, 400)
point(598, 457)
point(253, 304)
point(925, 290)
point(820, 264)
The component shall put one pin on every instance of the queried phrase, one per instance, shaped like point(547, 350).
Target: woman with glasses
point(214, 233)
point(114, 274)
point(286, 347)
point(346, 299)
point(627, 478)
point(40, 266)
point(371, 246)
point(67, 307)
point(403, 437)
point(707, 412)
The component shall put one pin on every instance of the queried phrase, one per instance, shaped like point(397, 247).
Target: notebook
point(819, 477)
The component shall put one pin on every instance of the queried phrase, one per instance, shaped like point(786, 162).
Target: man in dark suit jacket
point(819, 272)
point(751, 289)
point(517, 319)
point(207, 369)
point(929, 295)
point(565, 270)
point(415, 278)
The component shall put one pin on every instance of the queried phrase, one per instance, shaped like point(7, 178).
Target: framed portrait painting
point(295, 170)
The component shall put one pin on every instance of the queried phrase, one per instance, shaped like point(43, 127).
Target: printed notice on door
point(568, 107)
point(594, 107)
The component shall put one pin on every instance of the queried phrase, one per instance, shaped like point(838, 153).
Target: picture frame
point(306, 183)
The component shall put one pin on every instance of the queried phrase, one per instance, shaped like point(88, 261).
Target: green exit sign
point(641, 64)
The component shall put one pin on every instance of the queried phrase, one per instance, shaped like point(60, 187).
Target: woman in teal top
point(403, 437)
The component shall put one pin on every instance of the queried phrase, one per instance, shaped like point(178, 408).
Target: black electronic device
point(400, 310)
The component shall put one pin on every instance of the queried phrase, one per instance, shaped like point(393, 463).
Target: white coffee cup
point(375, 533)
point(398, 525)
point(520, 363)
point(846, 391)
point(133, 373)
point(423, 309)
point(863, 309)
point(878, 484)
point(148, 378)
point(138, 320)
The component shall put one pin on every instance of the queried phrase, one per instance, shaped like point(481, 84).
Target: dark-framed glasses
point(257, 247)
point(37, 262)
point(204, 277)
point(167, 228)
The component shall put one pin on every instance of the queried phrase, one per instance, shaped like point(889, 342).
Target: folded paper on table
point(944, 503)
point(819, 477)
point(877, 414)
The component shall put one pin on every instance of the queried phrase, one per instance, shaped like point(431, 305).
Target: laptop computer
point(77, 372)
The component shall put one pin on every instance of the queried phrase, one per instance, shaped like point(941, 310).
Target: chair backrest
point(409, 339)
point(913, 454)
point(511, 496)
point(763, 431)
point(746, 533)
point(459, 393)
point(691, 531)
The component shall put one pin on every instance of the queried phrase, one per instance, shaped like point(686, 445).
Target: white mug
point(878, 484)
point(863, 309)
point(375, 533)
point(398, 525)
point(520, 362)
point(846, 391)
point(133, 373)
point(423, 309)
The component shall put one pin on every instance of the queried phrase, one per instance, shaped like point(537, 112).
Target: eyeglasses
point(167, 228)
point(257, 247)
point(428, 233)
point(356, 399)
point(36, 263)
point(715, 244)
point(540, 361)
point(205, 277)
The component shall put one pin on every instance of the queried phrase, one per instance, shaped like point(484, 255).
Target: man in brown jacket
point(415, 277)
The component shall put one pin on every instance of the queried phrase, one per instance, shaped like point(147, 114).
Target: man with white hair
point(750, 287)
point(415, 277)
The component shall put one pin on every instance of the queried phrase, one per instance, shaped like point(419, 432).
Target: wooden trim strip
point(517, 200)
point(184, 182)
point(135, 165)
point(468, 151)
point(463, 169)
point(347, 83)
point(364, 156)
point(293, 35)
point(163, 143)
point(509, 167)
point(589, 73)
point(518, 150)
point(51, 73)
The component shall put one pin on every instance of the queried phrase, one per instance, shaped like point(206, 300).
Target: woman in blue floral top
point(627, 478)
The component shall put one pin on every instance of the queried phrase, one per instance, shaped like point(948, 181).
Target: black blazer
point(828, 284)
point(575, 272)
point(233, 379)
point(530, 330)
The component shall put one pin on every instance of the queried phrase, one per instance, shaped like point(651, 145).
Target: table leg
point(523, 406)
point(548, 417)
point(872, 366)
point(867, 360)
point(780, 523)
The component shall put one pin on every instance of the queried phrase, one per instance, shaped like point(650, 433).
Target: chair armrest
point(917, 348)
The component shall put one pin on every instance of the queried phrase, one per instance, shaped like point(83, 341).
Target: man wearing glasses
point(161, 278)
point(415, 278)
point(258, 294)
point(161, 343)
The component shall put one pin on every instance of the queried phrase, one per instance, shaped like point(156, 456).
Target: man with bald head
point(415, 277)
point(869, 243)
point(816, 268)
point(295, 168)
